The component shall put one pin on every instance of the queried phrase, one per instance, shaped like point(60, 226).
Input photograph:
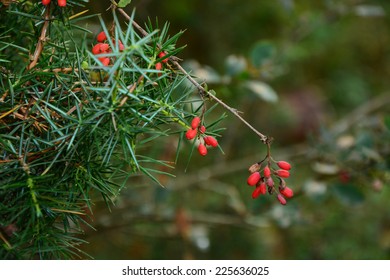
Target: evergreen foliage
point(71, 127)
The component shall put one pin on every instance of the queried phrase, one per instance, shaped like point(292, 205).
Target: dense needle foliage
point(71, 127)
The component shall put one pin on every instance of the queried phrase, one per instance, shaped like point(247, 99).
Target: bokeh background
point(312, 74)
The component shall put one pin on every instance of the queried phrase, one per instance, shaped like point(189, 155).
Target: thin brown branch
point(4, 96)
point(265, 139)
point(202, 91)
point(205, 218)
point(62, 70)
point(41, 40)
point(131, 90)
point(136, 25)
point(2, 237)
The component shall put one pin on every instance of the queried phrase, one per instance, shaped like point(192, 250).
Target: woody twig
point(41, 40)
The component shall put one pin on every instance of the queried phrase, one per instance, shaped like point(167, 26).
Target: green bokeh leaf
point(123, 3)
point(348, 194)
point(387, 122)
point(263, 90)
point(261, 53)
point(235, 65)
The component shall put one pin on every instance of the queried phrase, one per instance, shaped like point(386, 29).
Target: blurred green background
point(323, 71)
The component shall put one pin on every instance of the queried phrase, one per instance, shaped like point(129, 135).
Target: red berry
point(286, 192)
point(270, 182)
point(158, 66)
point(283, 173)
point(191, 133)
point(162, 54)
point(284, 165)
point(121, 46)
point(281, 199)
point(195, 122)
point(104, 47)
point(202, 129)
point(62, 3)
point(104, 60)
point(344, 176)
point(211, 141)
point(202, 149)
point(256, 192)
point(96, 48)
point(267, 172)
point(253, 179)
point(46, 2)
point(263, 188)
point(101, 37)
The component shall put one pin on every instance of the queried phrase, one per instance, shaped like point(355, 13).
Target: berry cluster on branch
point(198, 130)
point(159, 65)
point(265, 173)
point(103, 47)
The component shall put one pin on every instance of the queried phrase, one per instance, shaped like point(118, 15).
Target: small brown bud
point(254, 167)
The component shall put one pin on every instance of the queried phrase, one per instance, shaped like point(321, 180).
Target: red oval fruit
point(202, 149)
point(284, 165)
point(211, 141)
point(270, 182)
point(281, 199)
point(104, 60)
point(161, 55)
point(62, 3)
point(195, 122)
point(101, 37)
point(46, 2)
point(263, 188)
point(286, 192)
point(202, 129)
point(256, 193)
point(267, 172)
point(96, 48)
point(104, 47)
point(158, 66)
point(253, 179)
point(121, 46)
point(283, 173)
point(191, 133)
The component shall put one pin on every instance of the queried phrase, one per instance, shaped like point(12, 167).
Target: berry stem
point(269, 158)
point(265, 139)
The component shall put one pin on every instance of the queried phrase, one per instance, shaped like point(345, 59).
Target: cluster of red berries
point(102, 47)
point(263, 181)
point(197, 129)
point(61, 3)
point(159, 65)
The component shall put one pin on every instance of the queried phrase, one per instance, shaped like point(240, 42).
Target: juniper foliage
point(71, 128)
